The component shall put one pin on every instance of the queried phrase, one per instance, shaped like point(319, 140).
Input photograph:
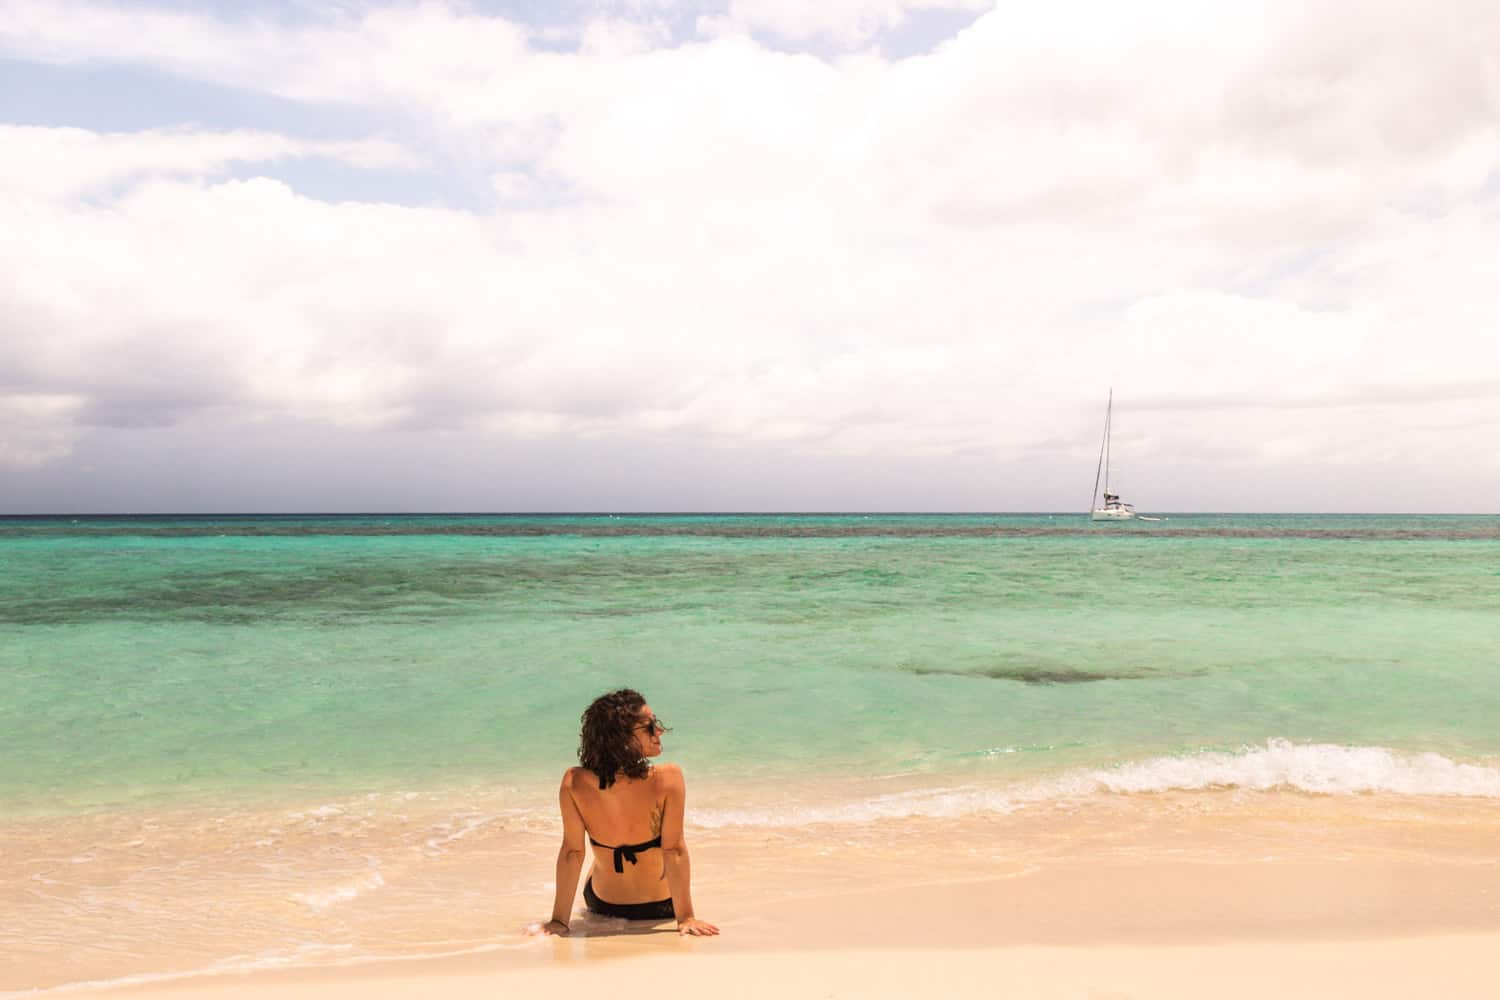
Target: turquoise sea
point(150, 661)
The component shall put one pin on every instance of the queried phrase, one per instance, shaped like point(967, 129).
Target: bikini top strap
point(627, 852)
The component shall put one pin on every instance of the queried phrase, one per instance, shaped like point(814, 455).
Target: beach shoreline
point(1140, 894)
point(1232, 929)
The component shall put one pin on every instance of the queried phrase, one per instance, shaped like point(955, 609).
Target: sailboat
point(1114, 509)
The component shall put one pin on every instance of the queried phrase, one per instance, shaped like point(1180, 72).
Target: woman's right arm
point(675, 853)
point(569, 858)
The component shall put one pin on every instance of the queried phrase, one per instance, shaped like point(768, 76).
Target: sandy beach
point(1456, 966)
point(1222, 893)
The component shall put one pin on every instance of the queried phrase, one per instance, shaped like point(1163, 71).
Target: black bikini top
point(628, 852)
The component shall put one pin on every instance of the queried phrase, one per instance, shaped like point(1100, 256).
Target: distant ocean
point(155, 660)
point(264, 741)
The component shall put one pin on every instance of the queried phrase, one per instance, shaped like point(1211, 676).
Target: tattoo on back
point(657, 815)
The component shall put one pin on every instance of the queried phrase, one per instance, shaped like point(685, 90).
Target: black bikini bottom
point(659, 910)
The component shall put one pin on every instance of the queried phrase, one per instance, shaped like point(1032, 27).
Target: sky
point(746, 255)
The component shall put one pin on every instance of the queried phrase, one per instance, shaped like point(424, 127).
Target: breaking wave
point(1316, 768)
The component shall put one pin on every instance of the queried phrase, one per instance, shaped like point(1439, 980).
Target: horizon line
point(732, 513)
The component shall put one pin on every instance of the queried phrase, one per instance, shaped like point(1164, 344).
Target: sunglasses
point(654, 725)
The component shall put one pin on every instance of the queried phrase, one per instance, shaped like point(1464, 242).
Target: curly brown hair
point(606, 744)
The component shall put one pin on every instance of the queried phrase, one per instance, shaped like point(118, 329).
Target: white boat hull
point(1112, 514)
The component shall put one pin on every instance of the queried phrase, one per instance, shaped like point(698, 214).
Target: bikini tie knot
point(627, 852)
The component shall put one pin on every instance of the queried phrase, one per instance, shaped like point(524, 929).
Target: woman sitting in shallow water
point(632, 814)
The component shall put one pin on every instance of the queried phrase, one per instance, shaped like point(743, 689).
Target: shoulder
point(668, 775)
point(571, 777)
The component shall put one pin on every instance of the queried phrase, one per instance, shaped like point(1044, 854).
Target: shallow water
point(186, 659)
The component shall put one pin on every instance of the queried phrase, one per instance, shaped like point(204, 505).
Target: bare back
point(631, 811)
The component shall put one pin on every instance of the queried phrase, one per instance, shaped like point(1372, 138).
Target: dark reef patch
point(1040, 674)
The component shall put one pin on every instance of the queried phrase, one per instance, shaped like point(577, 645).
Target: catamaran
point(1114, 509)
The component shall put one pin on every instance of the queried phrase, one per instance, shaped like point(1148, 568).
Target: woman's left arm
point(569, 858)
point(679, 870)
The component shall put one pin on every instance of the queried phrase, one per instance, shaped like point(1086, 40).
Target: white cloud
point(1210, 208)
point(61, 163)
point(426, 54)
point(845, 22)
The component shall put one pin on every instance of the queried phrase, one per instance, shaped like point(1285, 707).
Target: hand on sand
point(552, 928)
point(696, 927)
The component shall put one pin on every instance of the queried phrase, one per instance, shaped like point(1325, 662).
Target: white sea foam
point(1319, 768)
point(928, 802)
point(439, 843)
point(319, 812)
point(322, 899)
point(1316, 767)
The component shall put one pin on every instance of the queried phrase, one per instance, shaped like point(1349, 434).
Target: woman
point(632, 815)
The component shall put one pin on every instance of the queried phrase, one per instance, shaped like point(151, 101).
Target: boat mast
point(1103, 451)
point(1109, 420)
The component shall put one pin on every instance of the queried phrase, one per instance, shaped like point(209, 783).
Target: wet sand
point(1224, 893)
